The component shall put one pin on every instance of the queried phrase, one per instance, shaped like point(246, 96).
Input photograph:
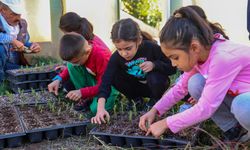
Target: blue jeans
point(8, 60)
point(233, 110)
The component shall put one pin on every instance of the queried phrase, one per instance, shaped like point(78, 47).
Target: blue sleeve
point(27, 43)
point(5, 38)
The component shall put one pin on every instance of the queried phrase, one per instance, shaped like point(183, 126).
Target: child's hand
point(157, 128)
point(60, 68)
point(74, 95)
point(147, 66)
point(17, 45)
point(35, 48)
point(192, 101)
point(54, 86)
point(100, 117)
point(147, 119)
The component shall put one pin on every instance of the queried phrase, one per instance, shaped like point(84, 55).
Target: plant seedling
point(81, 117)
point(130, 115)
point(134, 108)
point(59, 111)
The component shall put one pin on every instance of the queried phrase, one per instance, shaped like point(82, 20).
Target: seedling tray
point(13, 139)
point(26, 86)
point(131, 136)
point(40, 97)
point(39, 130)
point(17, 76)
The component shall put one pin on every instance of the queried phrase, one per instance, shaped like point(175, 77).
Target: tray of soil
point(26, 86)
point(51, 121)
point(11, 129)
point(27, 98)
point(131, 135)
point(31, 74)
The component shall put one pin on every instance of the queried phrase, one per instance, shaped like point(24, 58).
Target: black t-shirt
point(147, 51)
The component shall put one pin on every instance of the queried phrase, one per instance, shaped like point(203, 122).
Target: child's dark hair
point(127, 30)
point(184, 26)
point(72, 22)
point(216, 27)
point(71, 46)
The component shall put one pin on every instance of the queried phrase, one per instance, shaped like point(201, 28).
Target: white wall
point(101, 13)
point(231, 14)
point(37, 15)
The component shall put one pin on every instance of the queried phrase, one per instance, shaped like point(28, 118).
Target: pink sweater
point(226, 69)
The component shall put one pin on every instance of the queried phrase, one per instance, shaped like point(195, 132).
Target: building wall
point(101, 13)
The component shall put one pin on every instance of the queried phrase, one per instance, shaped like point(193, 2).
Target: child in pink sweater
point(216, 73)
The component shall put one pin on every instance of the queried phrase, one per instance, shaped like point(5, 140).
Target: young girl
point(217, 28)
point(137, 69)
point(216, 73)
point(72, 22)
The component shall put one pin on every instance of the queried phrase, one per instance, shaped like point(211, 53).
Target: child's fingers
point(148, 132)
point(98, 120)
point(107, 116)
point(103, 119)
point(142, 124)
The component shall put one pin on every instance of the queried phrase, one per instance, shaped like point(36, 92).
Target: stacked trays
point(30, 78)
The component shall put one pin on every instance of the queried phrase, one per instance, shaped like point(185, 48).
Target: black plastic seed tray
point(11, 140)
point(54, 132)
point(26, 86)
point(123, 140)
point(15, 76)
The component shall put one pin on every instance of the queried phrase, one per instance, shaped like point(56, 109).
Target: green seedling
point(81, 117)
point(107, 120)
point(59, 111)
point(130, 115)
point(40, 108)
point(10, 97)
point(115, 110)
point(134, 108)
point(161, 137)
point(122, 107)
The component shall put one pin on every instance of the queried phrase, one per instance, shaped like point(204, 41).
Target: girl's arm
point(222, 71)
point(175, 94)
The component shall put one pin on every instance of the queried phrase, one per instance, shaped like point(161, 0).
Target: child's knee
point(195, 85)
point(241, 109)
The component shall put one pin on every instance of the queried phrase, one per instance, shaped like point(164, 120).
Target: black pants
point(157, 84)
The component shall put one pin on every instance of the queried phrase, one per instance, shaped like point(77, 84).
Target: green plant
point(10, 96)
point(40, 108)
point(81, 117)
point(59, 111)
point(115, 110)
point(146, 10)
point(130, 116)
point(134, 108)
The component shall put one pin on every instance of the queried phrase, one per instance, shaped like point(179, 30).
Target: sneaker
point(234, 134)
point(245, 137)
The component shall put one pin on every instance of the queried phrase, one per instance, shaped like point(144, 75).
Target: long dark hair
point(216, 27)
point(72, 22)
point(127, 30)
point(182, 27)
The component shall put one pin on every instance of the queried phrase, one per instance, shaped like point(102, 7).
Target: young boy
point(85, 68)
